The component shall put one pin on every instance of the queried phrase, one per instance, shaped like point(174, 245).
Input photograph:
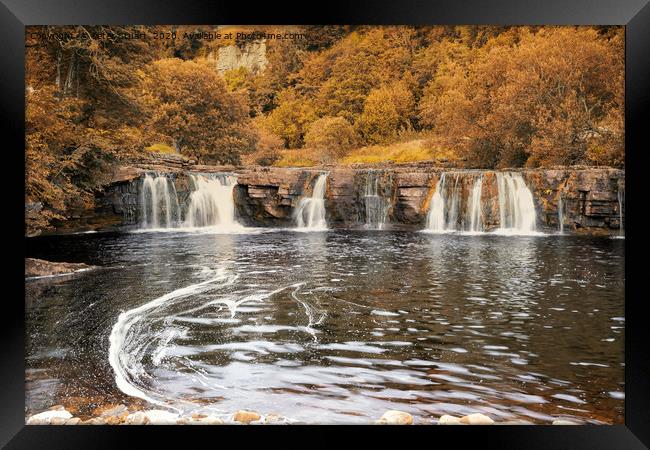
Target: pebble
point(58, 421)
point(564, 422)
point(449, 420)
point(476, 419)
point(394, 417)
point(246, 416)
point(137, 418)
point(94, 421)
point(273, 418)
point(161, 417)
point(46, 417)
point(208, 420)
point(116, 411)
point(515, 422)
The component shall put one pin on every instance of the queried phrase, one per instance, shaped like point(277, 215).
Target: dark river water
point(331, 327)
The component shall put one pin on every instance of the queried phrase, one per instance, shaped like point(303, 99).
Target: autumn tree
point(291, 118)
point(268, 147)
point(544, 98)
point(330, 137)
point(387, 110)
point(189, 104)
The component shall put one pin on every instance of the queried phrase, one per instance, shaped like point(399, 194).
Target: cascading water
point(474, 207)
point(311, 211)
point(516, 207)
point(451, 211)
point(446, 206)
point(560, 213)
point(376, 205)
point(621, 196)
point(158, 202)
point(436, 216)
point(211, 202)
point(454, 204)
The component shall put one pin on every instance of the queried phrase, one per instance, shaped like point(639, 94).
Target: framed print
point(414, 214)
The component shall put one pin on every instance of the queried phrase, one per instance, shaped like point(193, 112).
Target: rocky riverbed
point(122, 415)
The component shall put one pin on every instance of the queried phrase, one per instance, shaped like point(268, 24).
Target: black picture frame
point(634, 14)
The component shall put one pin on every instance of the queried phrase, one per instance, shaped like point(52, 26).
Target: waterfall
point(311, 211)
point(474, 208)
point(621, 196)
point(158, 202)
point(446, 206)
point(436, 216)
point(454, 204)
point(560, 213)
point(211, 202)
point(376, 206)
point(516, 207)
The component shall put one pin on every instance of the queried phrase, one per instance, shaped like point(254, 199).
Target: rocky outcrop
point(41, 268)
point(250, 55)
point(591, 199)
point(268, 196)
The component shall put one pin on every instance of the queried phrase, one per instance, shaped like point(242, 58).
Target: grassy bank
point(414, 150)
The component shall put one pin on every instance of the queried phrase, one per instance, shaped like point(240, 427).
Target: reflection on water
point(333, 326)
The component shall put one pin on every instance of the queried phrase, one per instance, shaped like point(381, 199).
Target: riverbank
point(39, 268)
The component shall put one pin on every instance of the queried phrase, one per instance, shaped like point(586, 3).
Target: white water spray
point(621, 196)
point(516, 207)
point(560, 213)
point(123, 354)
point(454, 204)
point(447, 207)
point(311, 211)
point(474, 207)
point(436, 216)
point(158, 202)
point(211, 203)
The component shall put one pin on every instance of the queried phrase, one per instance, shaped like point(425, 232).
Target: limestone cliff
point(251, 55)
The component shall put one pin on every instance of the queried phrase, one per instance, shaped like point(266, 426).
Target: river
point(331, 326)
